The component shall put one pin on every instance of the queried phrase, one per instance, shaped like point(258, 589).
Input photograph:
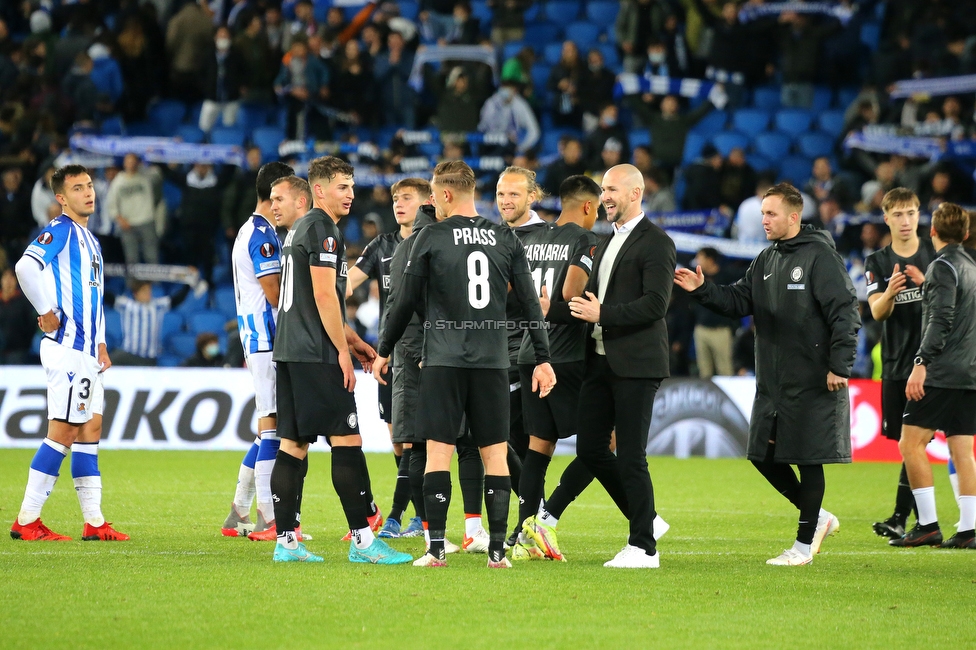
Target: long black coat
point(806, 317)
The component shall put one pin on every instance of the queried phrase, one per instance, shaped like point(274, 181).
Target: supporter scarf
point(754, 12)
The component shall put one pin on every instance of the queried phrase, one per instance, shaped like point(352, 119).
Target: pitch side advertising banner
point(213, 409)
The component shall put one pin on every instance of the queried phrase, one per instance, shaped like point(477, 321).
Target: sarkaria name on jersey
point(908, 295)
point(482, 236)
point(547, 252)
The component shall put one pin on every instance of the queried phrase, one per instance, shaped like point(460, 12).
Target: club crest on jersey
point(352, 420)
point(330, 244)
point(267, 249)
point(45, 238)
point(81, 407)
point(796, 274)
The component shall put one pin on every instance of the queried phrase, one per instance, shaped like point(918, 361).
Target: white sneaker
point(632, 557)
point(428, 560)
point(827, 524)
point(501, 564)
point(790, 557)
point(477, 543)
point(660, 527)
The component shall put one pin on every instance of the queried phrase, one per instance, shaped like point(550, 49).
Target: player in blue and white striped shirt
point(256, 262)
point(61, 274)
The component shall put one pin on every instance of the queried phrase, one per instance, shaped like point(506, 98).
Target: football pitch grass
point(179, 583)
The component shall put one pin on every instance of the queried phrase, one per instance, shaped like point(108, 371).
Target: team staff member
point(61, 273)
point(805, 311)
point(458, 275)
point(942, 387)
point(625, 303)
point(315, 376)
point(895, 277)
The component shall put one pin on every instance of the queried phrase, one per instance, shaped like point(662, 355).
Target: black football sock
point(397, 460)
point(350, 484)
point(811, 495)
point(418, 465)
point(781, 477)
point(514, 467)
point(286, 483)
point(498, 495)
point(576, 478)
point(370, 507)
point(471, 476)
point(401, 493)
point(301, 493)
point(904, 499)
point(437, 499)
point(533, 486)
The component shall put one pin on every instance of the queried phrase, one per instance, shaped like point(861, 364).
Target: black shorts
point(405, 389)
point(312, 402)
point(893, 402)
point(949, 410)
point(553, 417)
point(518, 437)
point(384, 397)
point(448, 394)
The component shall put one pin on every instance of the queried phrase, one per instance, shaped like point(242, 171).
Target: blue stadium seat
point(510, 49)
point(190, 133)
point(772, 145)
point(225, 302)
point(560, 12)
point(726, 141)
point(823, 97)
point(540, 76)
point(793, 121)
point(815, 144)
point(795, 169)
point(752, 121)
point(712, 123)
point(585, 35)
point(759, 162)
point(483, 13)
point(182, 346)
point(693, 146)
point(552, 53)
point(409, 9)
point(639, 138)
point(232, 135)
point(168, 361)
point(831, 122)
point(172, 324)
point(320, 8)
point(112, 126)
point(603, 14)
point(166, 115)
point(113, 329)
point(550, 141)
point(611, 58)
point(192, 304)
point(206, 321)
point(539, 34)
point(871, 35)
point(252, 116)
point(172, 195)
point(766, 98)
point(846, 96)
point(267, 139)
point(138, 129)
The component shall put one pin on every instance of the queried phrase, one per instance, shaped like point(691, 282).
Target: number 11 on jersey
point(537, 279)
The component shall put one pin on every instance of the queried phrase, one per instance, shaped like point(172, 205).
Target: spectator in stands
point(44, 206)
point(872, 193)
point(17, 322)
point(738, 180)
point(569, 163)
point(518, 68)
point(458, 110)
point(607, 128)
point(668, 128)
point(15, 213)
point(748, 218)
point(564, 86)
point(207, 353)
point(939, 189)
point(200, 207)
point(140, 72)
point(643, 159)
point(597, 82)
point(131, 205)
point(107, 77)
point(258, 66)
point(241, 195)
point(189, 39)
point(80, 89)
point(373, 40)
point(224, 79)
point(508, 20)
point(744, 351)
point(658, 196)
point(465, 29)
point(610, 156)
point(800, 45)
point(681, 324)
point(704, 181)
point(832, 218)
point(676, 43)
point(436, 19)
point(354, 89)
point(638, 21)
point(823, 183)
point(508, 112)
point(303, 82)
point(713, 332)
point(142, 323)
point(304, 22)
point(392, 72)
point(656, 64)
point(335, 23)
point(277, 30)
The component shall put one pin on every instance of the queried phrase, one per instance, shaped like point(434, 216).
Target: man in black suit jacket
point(627, 351)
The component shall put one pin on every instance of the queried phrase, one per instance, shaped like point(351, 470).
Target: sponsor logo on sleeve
point(329, 258)
point(588, 261)
point(267, 266)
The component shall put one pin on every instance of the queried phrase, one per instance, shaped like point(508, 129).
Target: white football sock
point(954, 482)
point(262, 487)
point(363, 537)
point(89, 489)
point(967, 512)
point(472, 525)
point(289, 540)
point(925, 502)
point(548, 519)
point(39, 488)
point(244, 495)
point(802, 548)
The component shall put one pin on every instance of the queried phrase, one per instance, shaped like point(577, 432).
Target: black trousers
point(607, 403)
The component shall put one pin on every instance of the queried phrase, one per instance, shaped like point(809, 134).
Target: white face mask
point(656, 57)
point(223, 44)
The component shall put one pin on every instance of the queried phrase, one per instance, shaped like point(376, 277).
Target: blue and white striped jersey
point(257, 253)
point(72, 261)
point(142, 325)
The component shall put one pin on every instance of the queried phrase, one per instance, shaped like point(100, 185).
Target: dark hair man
point(805, 311)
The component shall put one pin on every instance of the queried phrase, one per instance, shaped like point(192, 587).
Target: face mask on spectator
point(211, 350)
point(656, 57)
point(608, 121)
point(507, 94)
point(223, 44)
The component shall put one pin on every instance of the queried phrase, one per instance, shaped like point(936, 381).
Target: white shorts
point(74, 384)
point(263, 375)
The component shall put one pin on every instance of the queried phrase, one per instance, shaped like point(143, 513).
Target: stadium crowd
point(258, 73)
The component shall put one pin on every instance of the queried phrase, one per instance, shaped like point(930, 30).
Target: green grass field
point(178, 583)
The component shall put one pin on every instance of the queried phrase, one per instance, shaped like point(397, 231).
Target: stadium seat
point(814, 145)
point(603, 14)
point(540, 76)
point(206, 321)
point(192, 303)
point(693, 146)
point(759, 162)
point(267, 139)
point(112, 126)
point(871, 35)
point(182, 346)
point(766, 98)
point(772, 145)
point(320, 9)
point(831, 122)
point(726, 141)
point(172, 324)
point(232, 135)
point(846, 96)
point(560, 12)
point(166, 115)
point(712, 123)
point(611, 58)
point(823, 97)
point(142, 129)
point(173, 195)
point(639, 138)
point(539, 34)
point(409, 9)
point(793, 121)
point(795, 169)
point(168, 361)
point(552, 53)
point(512, 48)
point(550, 141)
point(190, 133)
point(225, 302)
point(252, 116)
point(585, 35)
point(751, 121)
point(113, 329)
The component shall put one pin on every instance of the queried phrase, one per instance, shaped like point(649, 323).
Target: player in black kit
point(895, 277)
point(457, 277)
point(315, 372)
